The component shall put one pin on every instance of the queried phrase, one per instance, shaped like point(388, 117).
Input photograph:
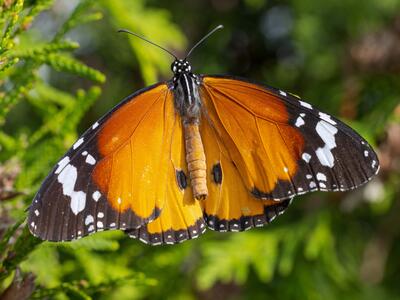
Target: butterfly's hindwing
point(182, 216)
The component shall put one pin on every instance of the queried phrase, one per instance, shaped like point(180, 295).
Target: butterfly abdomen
point(196, 160)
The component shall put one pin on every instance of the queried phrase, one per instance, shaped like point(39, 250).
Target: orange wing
point(280, 146)
point(115, 175)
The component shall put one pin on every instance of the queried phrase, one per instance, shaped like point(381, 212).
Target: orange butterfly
point(194, 152)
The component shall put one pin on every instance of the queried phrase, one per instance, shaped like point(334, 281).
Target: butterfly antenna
point(204, 38)
point(150, 42)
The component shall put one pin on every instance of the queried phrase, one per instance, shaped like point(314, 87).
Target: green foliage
point(323, 247)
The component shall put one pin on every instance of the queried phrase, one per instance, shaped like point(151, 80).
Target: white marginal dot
point(321, 184)
point(305, 104)
point(373, 164)
point(309, 176)
point(91, 228)
point(90, 159)
point(283, 93)
point(321, 177)
point(36, 212)
point(79, 232)
point(77, 143)
point(302, 115)
point(89, 219)
point(100, 215)
point(95, 125)
point(366, 153)
point(112, 225)
point(32, 224)
point(312, 185)
point(99, 224)
point(300, 189)
point(299, 122)
point(96, 196)
point(306, 157)
point(84, 153)
point(61, 164)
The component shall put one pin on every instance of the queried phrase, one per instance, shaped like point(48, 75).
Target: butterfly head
point(181, 66)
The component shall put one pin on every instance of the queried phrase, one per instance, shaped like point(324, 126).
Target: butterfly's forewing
point(107, 179)
point(182, 216)
point(282, 146)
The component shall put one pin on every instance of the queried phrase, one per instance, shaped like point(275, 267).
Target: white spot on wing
point(95, 125)
point(91, 228)
point(61, 164)
point(309, 176)
point(89, 219)
point(100, 215)
point(84, 153)
point(327, 133)
point(36, 212)
point(321, 177)
point(373, 164)
point(77, 143)
point(327, 118)
point(305, 104)
point(312, 185)
point(68, 178)
point(285, 169)
point(90, 159)
point(366, 153)
point(299, 122)
point(306, 157)
point(100, 224)
point(283, 93)
point(96, 196)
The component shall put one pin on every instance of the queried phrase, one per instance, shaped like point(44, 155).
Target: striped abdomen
point(196, 160)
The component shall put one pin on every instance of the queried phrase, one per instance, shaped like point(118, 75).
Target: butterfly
point(197, 152)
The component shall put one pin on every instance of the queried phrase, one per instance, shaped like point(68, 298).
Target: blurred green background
point(62, 65)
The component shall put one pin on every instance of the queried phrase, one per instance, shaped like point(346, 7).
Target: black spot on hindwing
point(217, 173)
point(181, 179)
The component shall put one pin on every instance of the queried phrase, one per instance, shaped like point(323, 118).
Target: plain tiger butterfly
point(194, 152)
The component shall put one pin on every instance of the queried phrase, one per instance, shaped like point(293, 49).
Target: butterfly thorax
point(188, 104)
point(186, 90)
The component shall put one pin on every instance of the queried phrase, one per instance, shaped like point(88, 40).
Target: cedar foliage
point(54, 58)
